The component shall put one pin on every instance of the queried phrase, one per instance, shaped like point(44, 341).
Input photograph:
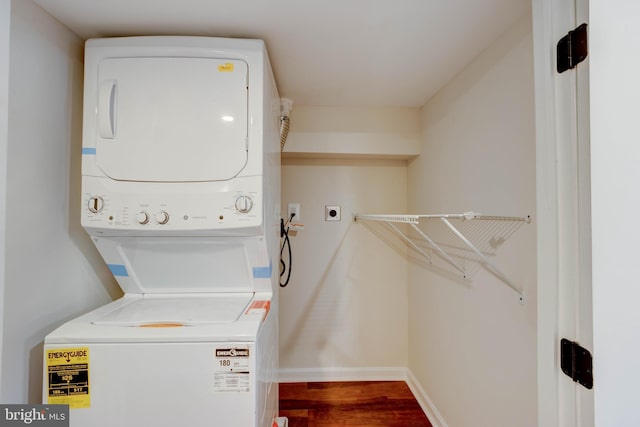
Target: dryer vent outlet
point(332, 213)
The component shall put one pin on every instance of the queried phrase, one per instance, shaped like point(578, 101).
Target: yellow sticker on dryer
point(227, 67)
point(68, 377)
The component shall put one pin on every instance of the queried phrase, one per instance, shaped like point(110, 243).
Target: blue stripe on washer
point(262, 272)
point(88, 150)
point(118, 270)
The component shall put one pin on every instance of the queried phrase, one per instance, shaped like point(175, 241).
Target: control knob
point(244, 204)
point(162, 217)
point(142, 217)
point(96, 203)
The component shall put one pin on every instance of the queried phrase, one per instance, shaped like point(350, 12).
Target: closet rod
point(415, 219)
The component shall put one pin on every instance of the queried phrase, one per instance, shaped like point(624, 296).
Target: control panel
point(213, 209)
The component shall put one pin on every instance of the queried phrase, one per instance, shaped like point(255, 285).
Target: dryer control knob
point(96, 203)
point(244, 204)
point(162, 217)
point(142, 217)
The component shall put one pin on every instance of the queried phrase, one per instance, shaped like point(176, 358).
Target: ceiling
point(378, 53)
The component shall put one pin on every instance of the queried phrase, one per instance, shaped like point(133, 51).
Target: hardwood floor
point(354, 403)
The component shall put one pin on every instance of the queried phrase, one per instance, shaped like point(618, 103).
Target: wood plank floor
point(354, 403)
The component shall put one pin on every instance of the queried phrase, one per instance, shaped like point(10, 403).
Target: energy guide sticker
point(231, 371)
point(68, 377)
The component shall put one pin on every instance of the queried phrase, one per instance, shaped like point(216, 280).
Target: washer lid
point(167, 311)
point(180, 265)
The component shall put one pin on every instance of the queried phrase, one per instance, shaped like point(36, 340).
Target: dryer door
point(171, 119)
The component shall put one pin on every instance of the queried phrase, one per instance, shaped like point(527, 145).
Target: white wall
point(5, 19)
point(615, 152)
point(473, 347)
point(344, 313)
point(52, 270)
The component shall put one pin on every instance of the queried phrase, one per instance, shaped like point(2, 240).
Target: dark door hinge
point(576, 362)
point(572, 49)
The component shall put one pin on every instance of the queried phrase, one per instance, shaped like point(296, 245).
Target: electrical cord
point(284, 233)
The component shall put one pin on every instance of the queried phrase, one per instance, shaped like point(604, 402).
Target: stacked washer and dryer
point(181, 197)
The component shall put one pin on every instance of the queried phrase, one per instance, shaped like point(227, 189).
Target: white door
point(615, 176)
point(165, 119)
point(564, 215)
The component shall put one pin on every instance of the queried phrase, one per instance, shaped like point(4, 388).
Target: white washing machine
point(181, 196)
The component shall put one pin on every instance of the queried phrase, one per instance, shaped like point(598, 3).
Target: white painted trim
point(342, 374)
point(430, 410)
point(563, 215)
point(547, 212)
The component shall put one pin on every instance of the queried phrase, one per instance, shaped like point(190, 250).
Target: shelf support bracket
point(440, 251)
point(482, 256)
point(408, 240)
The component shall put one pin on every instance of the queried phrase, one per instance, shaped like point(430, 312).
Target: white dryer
point(181, 196)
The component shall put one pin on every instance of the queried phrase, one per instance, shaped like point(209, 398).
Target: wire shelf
point(460, 240)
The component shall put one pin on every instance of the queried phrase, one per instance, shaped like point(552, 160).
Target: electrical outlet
point(294, 208)
point(332, 213)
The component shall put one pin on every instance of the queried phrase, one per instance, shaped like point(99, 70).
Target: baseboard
point(425, 402)
point(342, 374)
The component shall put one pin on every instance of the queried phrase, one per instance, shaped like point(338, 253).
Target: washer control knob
point(244, 204)
point(142, 217)
point(162, 217)
point(96, 203)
